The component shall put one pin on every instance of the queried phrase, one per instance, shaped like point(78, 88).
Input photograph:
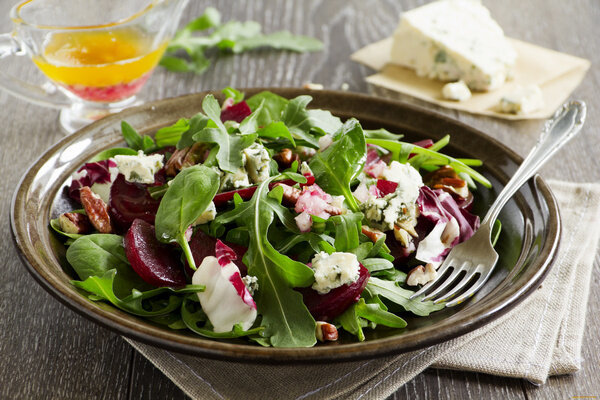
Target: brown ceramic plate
point(528, 244)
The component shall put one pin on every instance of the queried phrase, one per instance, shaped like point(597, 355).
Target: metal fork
point(476, 256)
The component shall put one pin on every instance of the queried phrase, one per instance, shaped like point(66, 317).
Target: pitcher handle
point(45, 95)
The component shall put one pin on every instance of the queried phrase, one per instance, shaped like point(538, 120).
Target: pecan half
point(326, 332)
point(421, 275)
point(175, 162)
point(290, 194)
point(373, 234)
point(447, 179)
point(96, 210)
point(285, 158)
point(71, 222)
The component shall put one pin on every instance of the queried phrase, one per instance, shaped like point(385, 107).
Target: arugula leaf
point(134, 139)
point(196, 124)
point(337, 166)
point(405, 149)
point(351, 323)
point(233, 36)
point(229, 154)
point(301, 121)
point(187, 197)
point(170, 135)
point(282, 40)
point(146, 304)
point(394, 293)
point(287, 321)
point(271, 102)
point(374, 313)
point(382, 134)
point(231, 93)
point(347, 228)
point(377, 264)
point(96, 254)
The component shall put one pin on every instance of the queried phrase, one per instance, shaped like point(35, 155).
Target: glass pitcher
point(96, 54)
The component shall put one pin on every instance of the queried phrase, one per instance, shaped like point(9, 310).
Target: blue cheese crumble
point(140, 168)
point(334, 270)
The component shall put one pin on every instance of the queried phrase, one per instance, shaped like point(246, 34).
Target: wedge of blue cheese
point(452, 40)
point(140, 168)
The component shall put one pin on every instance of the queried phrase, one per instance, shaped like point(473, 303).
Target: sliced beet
point(155, 262)
point(246, 193)
point(130, 201)
point(236, 112)
point(325, 307)
point(203, 245)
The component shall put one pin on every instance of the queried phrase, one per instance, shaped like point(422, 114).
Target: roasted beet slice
point(236, 112)
point(203, 245)
point(155, 262)
point(130, 201)
point(325, 307)
point(246, 193)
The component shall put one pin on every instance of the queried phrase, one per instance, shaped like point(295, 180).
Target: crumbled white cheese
point(522, 100)
point(454, 40)
point(334, 270)
point(140, 168)
point(457, 91)
point(238, 179)
point(208, 215)
point(408, 179)
point(251, 283)
point(257, 164)
point(337, 202)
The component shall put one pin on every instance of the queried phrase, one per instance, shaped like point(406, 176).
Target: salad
point(263, 219)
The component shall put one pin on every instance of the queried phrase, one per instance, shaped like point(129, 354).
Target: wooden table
point(49, 352)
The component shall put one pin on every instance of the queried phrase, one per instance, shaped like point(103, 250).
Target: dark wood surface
point(49, 352)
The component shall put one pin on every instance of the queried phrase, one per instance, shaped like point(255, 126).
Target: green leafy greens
point(233, 36)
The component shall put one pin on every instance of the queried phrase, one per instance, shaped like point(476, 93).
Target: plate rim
point(254, 353)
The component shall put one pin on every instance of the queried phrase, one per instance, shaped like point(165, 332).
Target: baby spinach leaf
point(196, 321)
point(394, 293)
point(187, 197)
point(277, 130)
point(337, 166)
point(94, 255)
point(146, 304)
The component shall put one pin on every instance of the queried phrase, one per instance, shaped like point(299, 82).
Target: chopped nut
point(408, 226)
point(74, 223)
point(285, 158)
point(421, 275)
point(175, 162)
point(195, 155)
point(332, 210)
point(326, 331)
point(96, 210)
point(290, 194)
point(447, 179)
point(402, 236)
point(373, 234)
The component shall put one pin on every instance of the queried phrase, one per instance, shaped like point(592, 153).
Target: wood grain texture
point(48, 352)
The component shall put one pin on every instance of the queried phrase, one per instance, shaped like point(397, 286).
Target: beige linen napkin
point(542, 336)
point(556, 74)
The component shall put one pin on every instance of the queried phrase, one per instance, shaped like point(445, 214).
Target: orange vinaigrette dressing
point(101, 65)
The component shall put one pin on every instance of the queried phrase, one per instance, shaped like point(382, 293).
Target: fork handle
point(558, 130)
